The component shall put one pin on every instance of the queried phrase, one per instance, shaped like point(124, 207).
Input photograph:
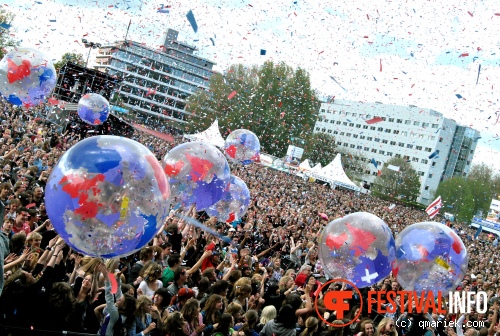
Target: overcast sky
point(422, 53)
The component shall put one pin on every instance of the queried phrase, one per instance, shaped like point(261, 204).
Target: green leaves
point(76, 58)
point(6, 40)
point(404, 183)
point(273, 101)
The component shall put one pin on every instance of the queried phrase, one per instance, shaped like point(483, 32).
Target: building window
point(355, 136)
point(354, 115)
point(407, 122)
point(362, 137)
point(387, 130)
point(380, 129)
point(353, 146)
point(384, 118)
point(415, 159)
point(332, 121)
point(342, 133)
point(397, 155)
point(359, 147)
point(393, 143)
point(404, 133)
point(384, 141)
point(369, 139)
point(425, 124)
point(421, 173)
point(374, 173)
point(389, 153)
point(365, 127)
point(440, 139)
point(367, 172)
point(323, 110)
point(374, 150)
point(425, 161)
point(426, 187)
point(346, 144)
point(406, 158)
point(323, 130)
point(338, 122)
point(391, 119)
point(401, 144)
point(366, 149)
point(348, 134)
point(399, 121)
point(317, 129)
point(372, 128)
point(358, 126)
point(344, 123)
point(368, 116)
point(434, 163)
point(435, 125)
point(377, 140)
point(339, 143)
point(416, 123)
point(351, 125)
point(335, 132)
point(418, 148)
point(430, 175)
point(347, 113)
point(329, 131)
point(409, 146)
point(381, 152)
point(395, 132)
point(427, 149)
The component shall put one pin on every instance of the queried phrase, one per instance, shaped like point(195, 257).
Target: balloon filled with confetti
point(107, 196)
point(93, 109)
point(234, 203)
point(199, 174)
point(27, 77)
point(242, 146)
point(358, 247)
point(430, 256)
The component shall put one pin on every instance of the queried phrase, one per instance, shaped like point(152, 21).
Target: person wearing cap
point(180, 299)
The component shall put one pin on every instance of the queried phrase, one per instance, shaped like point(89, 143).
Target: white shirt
point(146, 290)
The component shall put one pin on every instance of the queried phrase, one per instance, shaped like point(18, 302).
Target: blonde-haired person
point(33, 240)
point(235, 310)
point(242, 297)
point(387, 327)
point(151, 273)
point(268, 313)
point(311, 326)
point(143, 323)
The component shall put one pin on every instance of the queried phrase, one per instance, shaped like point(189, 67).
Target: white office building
point(409, 132)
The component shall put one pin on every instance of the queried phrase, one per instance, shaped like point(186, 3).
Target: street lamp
point(90, 45)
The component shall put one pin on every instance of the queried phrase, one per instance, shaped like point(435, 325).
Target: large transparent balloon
point(430, 257)
point(358, 247)
point(199, 174)
point(107, 196)
point(93, 109)
point(242, 146)
point(27, 77)
point(234, 204)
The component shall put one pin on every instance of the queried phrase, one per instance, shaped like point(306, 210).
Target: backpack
point(118, 329)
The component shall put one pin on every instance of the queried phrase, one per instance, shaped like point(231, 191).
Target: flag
point(374, 120)
point(478, 232)
point(433, 155)
point(433, 208)
point(374, 163)
point(192, 21)
point(164, 9)
point(391, 167)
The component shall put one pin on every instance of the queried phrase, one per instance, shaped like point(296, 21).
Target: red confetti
point(231, 95)
point(470, 14)
point(380, 65)
point(367, 16)
point(464, 55)
point(412, 85)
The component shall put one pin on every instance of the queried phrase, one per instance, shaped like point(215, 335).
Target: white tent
point(317, 168)
point(335, 172)
point(211, 135)
point(304, 166)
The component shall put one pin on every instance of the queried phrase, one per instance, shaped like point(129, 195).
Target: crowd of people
point(189, 282)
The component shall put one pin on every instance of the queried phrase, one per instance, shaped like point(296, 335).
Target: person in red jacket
point(304, 272)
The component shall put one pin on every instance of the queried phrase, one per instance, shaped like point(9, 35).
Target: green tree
point(319, 147)
point(481, 181)
point(274, 101)
point(457, 198)
point(355, 163)
point(6, 40)
point(405, 183)
point(76, 58)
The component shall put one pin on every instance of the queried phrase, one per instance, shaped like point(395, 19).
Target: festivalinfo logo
point(340, 302)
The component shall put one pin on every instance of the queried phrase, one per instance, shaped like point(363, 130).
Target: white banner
point(295, 152)
point(391, 167)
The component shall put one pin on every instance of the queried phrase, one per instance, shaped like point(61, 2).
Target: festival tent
point(304, 166)
point(211, 135)
point(316, 169)
point(334, 171)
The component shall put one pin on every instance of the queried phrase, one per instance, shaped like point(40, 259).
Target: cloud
point(388, 45)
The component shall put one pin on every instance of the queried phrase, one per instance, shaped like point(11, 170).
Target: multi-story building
point(419, 135)
point(156, 83)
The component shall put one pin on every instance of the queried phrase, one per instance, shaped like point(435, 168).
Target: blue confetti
point(459, 96)
point(192, 20)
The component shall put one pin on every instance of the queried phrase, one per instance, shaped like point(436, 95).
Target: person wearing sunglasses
point(387, 327)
